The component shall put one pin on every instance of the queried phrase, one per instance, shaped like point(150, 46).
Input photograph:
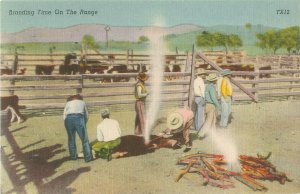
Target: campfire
point(212, 169)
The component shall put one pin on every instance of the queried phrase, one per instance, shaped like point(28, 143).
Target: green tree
point(262, 43)
point(206, 40)
point(271, 40)
point(143, 39)
point(234, 41)
point(88, 42)
point(290, 38)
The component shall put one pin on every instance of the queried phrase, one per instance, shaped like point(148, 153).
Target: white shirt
point(199, 87)
point(108, 130)
point(76, 106)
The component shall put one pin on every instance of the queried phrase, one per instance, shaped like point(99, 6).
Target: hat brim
point(172, 126)
point(143, 79)
point(202, 73)
point(211, 80)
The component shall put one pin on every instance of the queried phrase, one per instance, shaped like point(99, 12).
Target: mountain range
point(75, 33)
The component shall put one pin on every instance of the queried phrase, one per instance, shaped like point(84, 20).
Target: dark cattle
point(6, 71)
point(12, 103)
point(169, 59)
point(132, 145)
point(44, 69)
point(247, 68)
point(175, 68)
point(96, 69)
point(70, 66)
point(265, 74)
point(10, 71)
point(118, 69)
point(71, 69)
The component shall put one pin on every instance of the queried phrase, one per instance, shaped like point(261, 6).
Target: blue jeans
point(225, 112)
point(73, 123)
point(199, 114)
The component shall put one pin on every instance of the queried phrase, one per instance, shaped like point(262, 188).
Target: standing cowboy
point(226, 98)
point(75, 117)
point(211, 105)
point(140, 94)
point(199, 89)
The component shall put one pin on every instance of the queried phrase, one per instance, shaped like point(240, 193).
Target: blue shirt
point(211, 95)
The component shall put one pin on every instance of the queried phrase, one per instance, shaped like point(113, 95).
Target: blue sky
point(144, 12)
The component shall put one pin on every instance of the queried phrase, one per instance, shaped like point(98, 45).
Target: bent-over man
point(75, 118)
point(179, 125)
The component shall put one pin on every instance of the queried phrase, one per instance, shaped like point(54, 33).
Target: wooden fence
point(43, 91)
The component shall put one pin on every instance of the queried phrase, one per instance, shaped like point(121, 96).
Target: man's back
point(108, 130)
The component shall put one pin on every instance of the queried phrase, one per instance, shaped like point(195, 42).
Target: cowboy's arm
point(139, 92)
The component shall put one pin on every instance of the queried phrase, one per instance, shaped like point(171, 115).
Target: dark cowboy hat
point(142, 77)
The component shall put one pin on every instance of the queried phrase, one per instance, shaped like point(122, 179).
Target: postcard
point(154, 97)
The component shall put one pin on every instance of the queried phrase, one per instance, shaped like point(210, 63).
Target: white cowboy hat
point(174, 121)
point(212, 77)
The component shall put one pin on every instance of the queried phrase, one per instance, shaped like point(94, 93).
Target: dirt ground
point(34, 154)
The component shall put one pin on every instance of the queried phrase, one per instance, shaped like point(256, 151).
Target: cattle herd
point(72, 66)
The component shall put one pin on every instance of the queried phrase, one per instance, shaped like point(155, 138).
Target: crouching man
point(108, 137)
point(179, 125)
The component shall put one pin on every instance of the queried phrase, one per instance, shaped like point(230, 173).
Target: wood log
point(183, 172)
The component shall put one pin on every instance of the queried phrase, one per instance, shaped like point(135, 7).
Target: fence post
point(191, 87)
point(80, 81)
point(14, 70)
point(256, 79)
point(127, 56)
point(291, 89)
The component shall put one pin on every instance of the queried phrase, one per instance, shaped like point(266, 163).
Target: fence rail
point(50, 91)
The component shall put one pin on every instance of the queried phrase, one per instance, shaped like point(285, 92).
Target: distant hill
point(75, 33)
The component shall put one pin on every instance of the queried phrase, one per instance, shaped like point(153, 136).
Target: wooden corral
point(50, 91)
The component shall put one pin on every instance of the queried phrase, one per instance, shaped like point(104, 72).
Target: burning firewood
point(211, 168)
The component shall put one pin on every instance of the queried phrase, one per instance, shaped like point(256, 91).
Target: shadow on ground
point(34, 168)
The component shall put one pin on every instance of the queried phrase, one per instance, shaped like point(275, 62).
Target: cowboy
point(140, 94)
point(75, 118)
point(199, 89)
point(108, 136)
point(226, 98)
point(179, 125)
point(211, 105)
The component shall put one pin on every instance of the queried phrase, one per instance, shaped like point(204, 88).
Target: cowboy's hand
point(160, 134)
point(167, 135)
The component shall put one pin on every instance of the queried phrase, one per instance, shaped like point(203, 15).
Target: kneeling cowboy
point(108, 136)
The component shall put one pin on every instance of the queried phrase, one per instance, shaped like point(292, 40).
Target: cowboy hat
point(142, 77)
point(200, 72)
point(212, 77)
point(104, 112)
point(226, 72)
point(174, 121)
